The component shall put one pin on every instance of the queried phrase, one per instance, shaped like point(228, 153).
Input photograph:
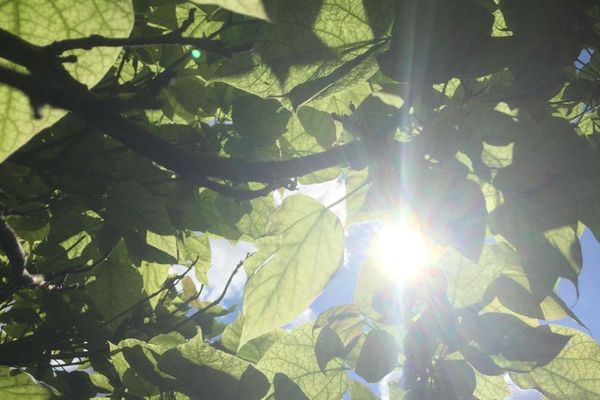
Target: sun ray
point(402, 251)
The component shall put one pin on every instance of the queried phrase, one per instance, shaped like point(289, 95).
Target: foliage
point(123, 152)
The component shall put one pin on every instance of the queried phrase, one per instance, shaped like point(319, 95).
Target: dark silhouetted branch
point(218, 300)
point(172, 38)
point(78, 269)
point(64, 92)
point(10, 244)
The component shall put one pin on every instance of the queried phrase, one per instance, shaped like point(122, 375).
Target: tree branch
point(242, 194)
point(62, 91)
point(218, 299)
point(10, 244)
point(196, 169)
point(87, 43)
point(173, 38)
point(78, 269)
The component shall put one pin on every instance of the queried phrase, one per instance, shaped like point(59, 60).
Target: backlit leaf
point(203, 371)
point(253, 8)
point(293, 355)
point(295, 264)
point(15, 385)
point(115, 289)
point(43, 23)
point(358, 391)
point(573, 374)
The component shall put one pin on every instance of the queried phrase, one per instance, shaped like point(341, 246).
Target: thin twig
point(65, 251)
point(78, 269)
point(172, 38)
point(166, 285)
point(176, 280)
point(218, 299)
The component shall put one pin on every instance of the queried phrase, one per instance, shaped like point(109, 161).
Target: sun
point(401, 251)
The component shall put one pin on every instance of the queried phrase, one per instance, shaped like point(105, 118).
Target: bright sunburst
point(402, 251)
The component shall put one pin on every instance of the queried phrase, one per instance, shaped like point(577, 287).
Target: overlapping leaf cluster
point(480, 117)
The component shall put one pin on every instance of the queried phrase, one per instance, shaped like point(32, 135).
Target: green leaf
point(357, 183)
point(43, 23)
point(205, 372)
point(130, 205)
point(259, 121)
point(297, 143)
point(396, 390)
point(252, 8)
point(445, 34)
point(467, 281)
point(293, 355)
point(165, 243)
point(313, 131)
point(374, 285)
point(194, 248)
point(154, 276)
point(167, 340)
point(454, 379)
point(451, 208)
point(500, 29)
point(101, 382)
point(340, 102)
point(373, 118)
point(497, 156)
point(16, 385)
point(302, 44)
point(573, 374)
point(514, 296)
point(510, 337)
point(358, 391)
point(115, 288)
point(328, 347)
point(189, 99)
point(555, 308)
point(378, 356)
point(345, 320)
point(220, 214)
point(294, 265)
point(480, 361)
point(490, 387)
point(286, 389)
point(75, 245)
point(358, 69)
point(231, 334)
point(255, 349)
point(253, 224)
point(122, 358)
point(539, 219)
point(545, 238)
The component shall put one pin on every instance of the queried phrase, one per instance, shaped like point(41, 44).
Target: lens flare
point(402, 251)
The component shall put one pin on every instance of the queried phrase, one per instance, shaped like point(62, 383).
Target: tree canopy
point(134, 132)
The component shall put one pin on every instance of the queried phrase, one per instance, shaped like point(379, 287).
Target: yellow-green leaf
point(42, 23)
point(294, 356)
point(115, 288)
point(17, 385)
point(303, 251)
point(154, 276)
point(573, 374)
point(252, 8)
point(205, 372)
